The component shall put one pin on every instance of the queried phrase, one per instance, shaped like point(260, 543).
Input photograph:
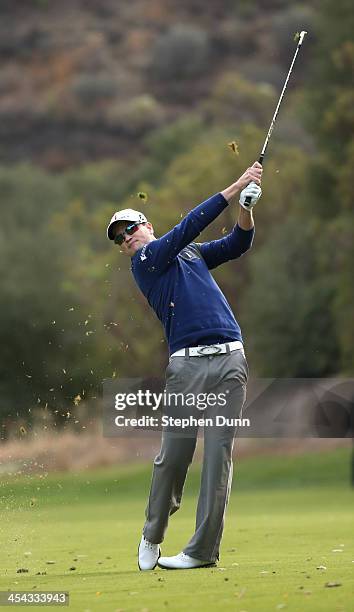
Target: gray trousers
point(224, 374)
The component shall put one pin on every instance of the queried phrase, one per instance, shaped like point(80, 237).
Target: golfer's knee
point(175, 505)
point(169, 461)
point(174, 458)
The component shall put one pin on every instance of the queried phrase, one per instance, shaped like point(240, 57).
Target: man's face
point(143, 235)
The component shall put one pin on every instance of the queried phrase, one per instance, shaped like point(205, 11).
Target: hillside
point(87, 79)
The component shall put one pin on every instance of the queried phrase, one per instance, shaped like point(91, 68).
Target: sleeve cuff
point(240, 229)
point(224, 200)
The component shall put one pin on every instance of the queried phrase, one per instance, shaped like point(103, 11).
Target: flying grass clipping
point(234, 147)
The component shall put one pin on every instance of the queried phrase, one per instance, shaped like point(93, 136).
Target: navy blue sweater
point(173, 274)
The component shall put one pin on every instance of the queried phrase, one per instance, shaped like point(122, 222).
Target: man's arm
point(254, 173)
point(158, 254)
point(232, 246)
point(236, 243)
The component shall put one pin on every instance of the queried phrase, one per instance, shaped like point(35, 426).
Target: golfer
point(206, 355)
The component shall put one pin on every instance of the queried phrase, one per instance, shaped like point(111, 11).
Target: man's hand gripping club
point(247, 185)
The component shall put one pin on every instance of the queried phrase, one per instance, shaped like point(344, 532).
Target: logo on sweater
point(142, 254)
point(188, 253)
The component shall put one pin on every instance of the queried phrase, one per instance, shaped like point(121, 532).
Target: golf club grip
point(260, 161)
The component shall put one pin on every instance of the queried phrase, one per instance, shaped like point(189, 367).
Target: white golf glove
point(252, 191)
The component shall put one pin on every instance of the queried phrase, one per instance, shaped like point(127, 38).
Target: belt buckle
point(211, 349)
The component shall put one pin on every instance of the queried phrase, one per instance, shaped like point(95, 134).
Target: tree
point(289, 326)
point(330, 97)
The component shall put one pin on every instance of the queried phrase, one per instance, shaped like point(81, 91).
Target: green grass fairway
point(287, 517)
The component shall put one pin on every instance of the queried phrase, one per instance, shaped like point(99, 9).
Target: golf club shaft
point(271, 127)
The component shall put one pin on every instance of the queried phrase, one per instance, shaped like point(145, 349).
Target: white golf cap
point(125, 215)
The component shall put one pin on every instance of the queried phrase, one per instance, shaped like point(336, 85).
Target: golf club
point(271, 127)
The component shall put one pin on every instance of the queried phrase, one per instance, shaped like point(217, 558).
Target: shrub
point(138, 115)
point(89, 88)
point(181, 53)
point(236, 37)
point(235, 98)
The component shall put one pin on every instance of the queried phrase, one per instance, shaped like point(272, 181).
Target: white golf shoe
point(183, 561)
point(148, 554)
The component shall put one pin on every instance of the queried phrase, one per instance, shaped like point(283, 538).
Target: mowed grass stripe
point(275, 539)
